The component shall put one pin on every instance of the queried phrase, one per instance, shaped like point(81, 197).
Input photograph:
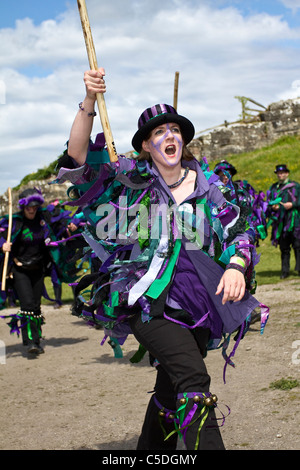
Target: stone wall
point(281, 118)
point(51, 192)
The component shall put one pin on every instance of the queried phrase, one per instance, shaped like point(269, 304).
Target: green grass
point(268, 269)
point(284, 384)
point(67, 293)
point(258, 166)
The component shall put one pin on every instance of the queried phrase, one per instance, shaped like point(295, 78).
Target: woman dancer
point(177, 276)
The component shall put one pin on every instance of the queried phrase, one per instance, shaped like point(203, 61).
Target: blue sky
point(37, 10)
point(221, 48)
point(40, 11)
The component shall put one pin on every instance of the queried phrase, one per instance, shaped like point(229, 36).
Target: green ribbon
point(262, 231)
point(280, 227)
point(114, 343)
point(143, 229)
point(138, 356)
point(113, 302)
point(203, 411)
point(275, 201)
point(28, 234)
point(38, 322)
point(291, 228)
point(181, 412)
point(227, 254)
point(159, 285)
point(29, 333)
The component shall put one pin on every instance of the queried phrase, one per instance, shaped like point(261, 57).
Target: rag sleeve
point(238, 237)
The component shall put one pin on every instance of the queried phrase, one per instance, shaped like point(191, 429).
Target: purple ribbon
point(93, 190)
point(228, 359)
point(107, 263)
point(167, 411)
point(191, 327)
point(64, 240)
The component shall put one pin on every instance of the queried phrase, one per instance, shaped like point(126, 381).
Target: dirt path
point(77, 396)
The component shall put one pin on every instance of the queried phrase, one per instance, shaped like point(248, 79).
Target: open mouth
point(170, 150)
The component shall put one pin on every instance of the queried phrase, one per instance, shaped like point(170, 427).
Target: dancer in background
point(284, 215)
point(33, 249)
point(27, 262)
point(253, 204)
point(64, 225)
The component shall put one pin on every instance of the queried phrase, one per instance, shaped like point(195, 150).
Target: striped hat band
point(157, 115)
point(155, 111)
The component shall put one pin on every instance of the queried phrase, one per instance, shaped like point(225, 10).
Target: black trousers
point(29, 285)
point(179, 352)
point(286, 243)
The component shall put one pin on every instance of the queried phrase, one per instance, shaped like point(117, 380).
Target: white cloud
point(292, 91)
point(218, 52)
point(294, 5)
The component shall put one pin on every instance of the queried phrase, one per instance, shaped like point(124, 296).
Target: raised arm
point(83, 123)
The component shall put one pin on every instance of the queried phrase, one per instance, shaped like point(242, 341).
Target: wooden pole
point(94, 66)
point(175, 100)
point(6, 257)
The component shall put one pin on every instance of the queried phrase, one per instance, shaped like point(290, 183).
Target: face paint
point(165, 136)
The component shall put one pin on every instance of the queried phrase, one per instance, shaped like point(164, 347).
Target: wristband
point(237, 267)
point(82, 109)
point(238, 260)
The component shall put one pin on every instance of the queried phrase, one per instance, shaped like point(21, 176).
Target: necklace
point(174, 185)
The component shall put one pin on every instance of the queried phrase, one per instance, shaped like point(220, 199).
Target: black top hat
point(157, 115)
point(225, 165)
point(281, 168)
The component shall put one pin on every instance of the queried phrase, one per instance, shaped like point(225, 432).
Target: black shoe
point(76, 308)
point(33, 349)
point(284, 275)
point(255, 317)
point(41, 350)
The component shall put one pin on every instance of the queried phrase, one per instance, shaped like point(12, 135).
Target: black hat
point(157, 115)
point(31, 197)
point(225, 165)
point(281, 168)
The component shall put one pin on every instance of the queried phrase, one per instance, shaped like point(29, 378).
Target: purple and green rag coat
point(282, 221)
point(155, 253)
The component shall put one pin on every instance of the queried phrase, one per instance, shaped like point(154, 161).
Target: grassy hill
point(258, 167)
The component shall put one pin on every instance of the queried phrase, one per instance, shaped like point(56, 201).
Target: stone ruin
point(279, 119)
